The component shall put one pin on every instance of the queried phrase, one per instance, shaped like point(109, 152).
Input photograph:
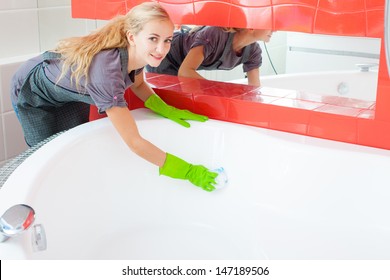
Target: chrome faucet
point(15, 220)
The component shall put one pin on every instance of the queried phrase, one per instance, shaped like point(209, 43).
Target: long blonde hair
point(78, 52)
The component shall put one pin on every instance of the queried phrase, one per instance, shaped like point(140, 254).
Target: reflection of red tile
point(339, 110)
point(223, 89)
point(347, 102)
point(296, 103)
point(334, 127)
point(270, 91)
point(367, 114)
point(256, 97)
point(160, 81)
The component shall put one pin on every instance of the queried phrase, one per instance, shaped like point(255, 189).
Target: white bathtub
point(349, 84)
point(288, 197)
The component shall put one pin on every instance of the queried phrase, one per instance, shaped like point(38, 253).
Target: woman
point(214, 48)
point(52, 92)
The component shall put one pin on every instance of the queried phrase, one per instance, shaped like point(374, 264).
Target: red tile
point(289, 119)
point(341, 24)
point(332, 126)
point(294, 18)
point(180, 12)
point(177, 99)
point(344, 6)
point(249, 113)
point(245, 17)
point(374, 27)
point(212, 106)
point(211, 13)
point(375, 4)
point(374, 133)
point(252, 3)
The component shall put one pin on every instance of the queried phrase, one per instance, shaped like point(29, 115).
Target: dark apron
point(46, 109)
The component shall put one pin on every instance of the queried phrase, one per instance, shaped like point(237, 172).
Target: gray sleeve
point(213, 41)
point(106, 83)
point(254, 60)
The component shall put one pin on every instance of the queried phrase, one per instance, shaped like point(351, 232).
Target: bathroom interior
point(304, 42)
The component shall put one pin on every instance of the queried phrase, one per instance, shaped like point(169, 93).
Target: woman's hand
point(156, 104)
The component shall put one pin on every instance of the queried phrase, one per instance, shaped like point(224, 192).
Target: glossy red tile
point(375, 4)
point(294, 18)
point(177, 99)
point(345, 6)
point(374, 27)
point(332, 126)
point(289, 119)
point(214, 107)
point(205, 13)
point(249, 113)
point(353, 24)
point(256, 17)
point(181, 12)
point(374, 133)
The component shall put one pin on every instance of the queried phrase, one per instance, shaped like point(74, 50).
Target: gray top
point(106, 86)
point(46, 106)
point(218, 51)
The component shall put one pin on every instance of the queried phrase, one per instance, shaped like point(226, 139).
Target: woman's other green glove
point(156, 104)
point(197, 174)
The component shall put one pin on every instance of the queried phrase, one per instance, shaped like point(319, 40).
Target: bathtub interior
point(348, 84)
point(288, 196)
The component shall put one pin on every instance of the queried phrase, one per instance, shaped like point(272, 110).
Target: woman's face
point(263, 35)
point(153, 41)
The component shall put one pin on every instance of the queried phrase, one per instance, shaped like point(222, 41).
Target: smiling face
point(152, 43)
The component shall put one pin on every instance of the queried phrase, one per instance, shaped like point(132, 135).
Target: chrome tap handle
point(16, 219)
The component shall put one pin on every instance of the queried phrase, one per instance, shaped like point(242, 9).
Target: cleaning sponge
point(221, 179)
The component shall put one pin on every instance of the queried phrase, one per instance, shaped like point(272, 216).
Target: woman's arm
point(254, 77)
point(140, 88)
point(193, 59)
point(124, 123)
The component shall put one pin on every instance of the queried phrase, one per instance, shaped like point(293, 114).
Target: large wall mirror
point(320, 64)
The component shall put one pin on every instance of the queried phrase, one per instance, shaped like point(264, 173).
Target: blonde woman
point(214, 48)
point(52, 92)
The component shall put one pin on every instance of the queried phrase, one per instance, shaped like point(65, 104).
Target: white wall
point(28, 27)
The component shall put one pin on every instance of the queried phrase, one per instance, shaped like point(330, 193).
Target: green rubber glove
point(156, 104)
point(198, 175)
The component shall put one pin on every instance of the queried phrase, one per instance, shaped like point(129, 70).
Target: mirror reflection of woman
point(214, 48)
